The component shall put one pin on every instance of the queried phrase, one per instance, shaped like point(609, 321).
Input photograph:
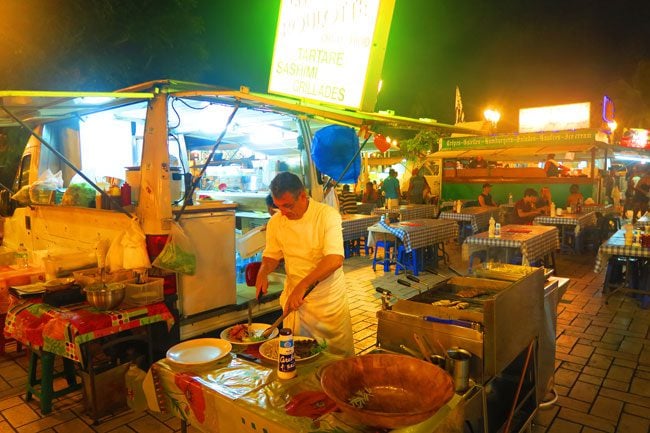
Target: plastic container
point(497, 230)
point(286, 358)
point(145, 293)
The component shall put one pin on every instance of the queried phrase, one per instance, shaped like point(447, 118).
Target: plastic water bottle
point(552, 209)
point(497, 230)
point(240, 268)
point(491, 228)
point(286, 357)
point(510, 202)
point(22, 256)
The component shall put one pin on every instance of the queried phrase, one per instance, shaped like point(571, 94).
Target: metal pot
point(105, 296)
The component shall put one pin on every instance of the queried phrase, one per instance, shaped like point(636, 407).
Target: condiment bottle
point(491, 227)
point(459, 205)
point(629, 235)
point(286, 359)
point(125, 194)
point(552, 209)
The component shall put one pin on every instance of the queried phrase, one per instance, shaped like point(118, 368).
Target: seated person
point(270, 205)
point(485, 198)
point(525, 210)
point(370, 194)
point(347, 201)
point(544, 201)
point(478, 162)
point(574, 196)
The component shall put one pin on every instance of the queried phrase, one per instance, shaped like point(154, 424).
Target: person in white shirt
point(308, 236)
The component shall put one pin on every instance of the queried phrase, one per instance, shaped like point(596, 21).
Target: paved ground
point(602, 363)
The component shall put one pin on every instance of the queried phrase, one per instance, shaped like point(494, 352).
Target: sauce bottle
point(286, 357)
point(125, 194)
point(491, 227)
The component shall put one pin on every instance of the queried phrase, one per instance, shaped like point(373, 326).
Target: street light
point(492, 116)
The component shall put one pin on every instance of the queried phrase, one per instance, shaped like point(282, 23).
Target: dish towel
point(400, 233)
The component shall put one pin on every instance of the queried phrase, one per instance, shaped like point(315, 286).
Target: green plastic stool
point(45, 391)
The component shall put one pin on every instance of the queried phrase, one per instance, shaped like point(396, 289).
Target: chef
point(308, 236)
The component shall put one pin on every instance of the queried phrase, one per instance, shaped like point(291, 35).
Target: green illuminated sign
point(533, 139)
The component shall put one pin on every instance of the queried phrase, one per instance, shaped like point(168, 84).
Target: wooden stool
point(45, 391)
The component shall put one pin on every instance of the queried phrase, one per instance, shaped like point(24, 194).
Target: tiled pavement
point(602, 363)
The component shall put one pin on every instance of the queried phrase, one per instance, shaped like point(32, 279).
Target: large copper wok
point(402, 390)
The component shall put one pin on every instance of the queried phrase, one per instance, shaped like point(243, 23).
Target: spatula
point(268, 331)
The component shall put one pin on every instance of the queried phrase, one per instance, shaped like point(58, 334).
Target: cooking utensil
point(390, 391)
point(425, 351)
point(408, 284)
point(105, 296)
point(285, 313)
point(417, 280)
point(410, 351)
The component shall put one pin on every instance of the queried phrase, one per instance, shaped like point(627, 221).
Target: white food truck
point(167, 139)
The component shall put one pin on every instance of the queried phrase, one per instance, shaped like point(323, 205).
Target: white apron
point(303, 243)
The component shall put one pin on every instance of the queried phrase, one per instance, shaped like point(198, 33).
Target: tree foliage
point(423, 143)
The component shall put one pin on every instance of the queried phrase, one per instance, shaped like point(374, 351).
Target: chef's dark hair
point(286, 182)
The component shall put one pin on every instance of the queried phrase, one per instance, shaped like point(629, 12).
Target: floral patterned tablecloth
point(62, 330)
point(239, 395)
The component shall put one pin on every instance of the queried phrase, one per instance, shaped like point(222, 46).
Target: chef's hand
point(295, 299)
point(261, 284)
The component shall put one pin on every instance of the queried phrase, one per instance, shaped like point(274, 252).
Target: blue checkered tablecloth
point(421, 232)
point(580, 221)
point(355, 226)
point(409, 212)
point(479, 217)
point(602, 208)
point(534, 242)
point(365, 208)
point(615, 246)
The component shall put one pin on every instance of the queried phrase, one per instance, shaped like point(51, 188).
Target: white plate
point(257, 328)
point(198, 352)
point(269, 349)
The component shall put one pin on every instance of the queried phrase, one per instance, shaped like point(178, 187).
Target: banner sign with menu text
point(538, 139)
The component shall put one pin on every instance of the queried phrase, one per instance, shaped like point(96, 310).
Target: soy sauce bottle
point(286, 358)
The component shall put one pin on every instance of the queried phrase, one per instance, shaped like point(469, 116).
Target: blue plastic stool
point(386, 245)
point(407, 261)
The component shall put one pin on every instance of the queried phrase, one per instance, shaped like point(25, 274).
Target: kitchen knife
point(268, 331)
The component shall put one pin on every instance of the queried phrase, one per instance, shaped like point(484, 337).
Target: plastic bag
point(115, 256)
point(47, 183)
point(22, 196)
point(134, 248)
point(178, 254)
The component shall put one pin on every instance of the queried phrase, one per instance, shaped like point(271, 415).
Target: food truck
point(515, 161)
point(165, 139)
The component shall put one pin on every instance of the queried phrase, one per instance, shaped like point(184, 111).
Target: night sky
point(504, 53)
